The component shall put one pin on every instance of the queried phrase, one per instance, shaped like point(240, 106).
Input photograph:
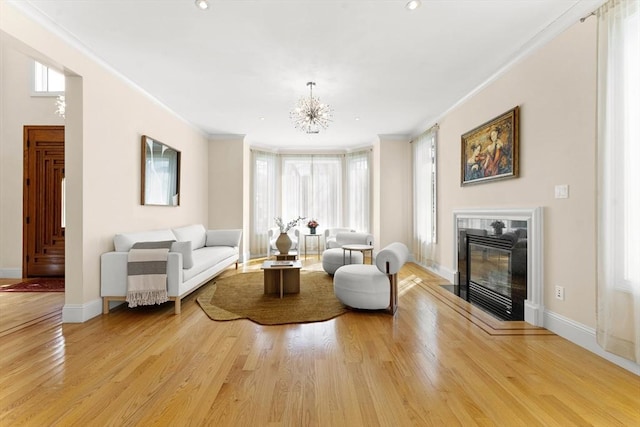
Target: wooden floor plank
point(438, 361)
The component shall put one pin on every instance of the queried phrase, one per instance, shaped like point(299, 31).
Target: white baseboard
point(80, 313)
point(10, 273)
point(443, 272)
point(585, 337)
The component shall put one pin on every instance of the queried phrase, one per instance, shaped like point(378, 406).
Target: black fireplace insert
point(493, 272)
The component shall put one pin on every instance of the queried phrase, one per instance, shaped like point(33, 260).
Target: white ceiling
point(239, 67)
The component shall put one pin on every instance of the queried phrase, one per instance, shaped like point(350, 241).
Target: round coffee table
point(360, 248)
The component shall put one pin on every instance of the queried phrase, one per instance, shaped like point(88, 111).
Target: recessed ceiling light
point(202, 4)
point(413, 5)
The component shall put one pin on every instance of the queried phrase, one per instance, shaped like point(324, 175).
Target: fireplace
point(498, 261)
point(496, 273)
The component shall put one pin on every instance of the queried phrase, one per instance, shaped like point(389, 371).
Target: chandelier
point(61, 106)
point(310, 114)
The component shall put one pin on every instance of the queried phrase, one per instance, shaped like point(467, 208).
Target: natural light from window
point(47, 81)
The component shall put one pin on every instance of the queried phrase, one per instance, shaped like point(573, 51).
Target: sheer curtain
point(424, 196)
point(358, 177)
point(265, 197)
point(334, 189)
point(618, 323)
point(312, 188)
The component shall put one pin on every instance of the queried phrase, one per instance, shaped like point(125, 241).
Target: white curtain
point(424, 196)
point(332, 189)
point(618, 315)
point(265, 199)
point(312, 188)
point(358, 177)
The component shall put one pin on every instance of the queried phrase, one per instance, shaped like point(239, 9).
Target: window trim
point(32, 82)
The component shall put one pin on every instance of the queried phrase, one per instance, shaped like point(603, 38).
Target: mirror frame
point(150, 181)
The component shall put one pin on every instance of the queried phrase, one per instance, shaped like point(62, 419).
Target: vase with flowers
point(312, 224)
point(497, 227)
point(283, 242)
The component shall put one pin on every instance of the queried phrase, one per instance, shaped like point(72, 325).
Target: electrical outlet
point(560, 293)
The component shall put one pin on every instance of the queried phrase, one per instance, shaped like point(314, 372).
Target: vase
point(283, 243)
point(312, 230)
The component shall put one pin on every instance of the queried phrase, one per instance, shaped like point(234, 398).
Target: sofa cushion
point(187, 254)
point(124, 241)
point(194, 233)
point(348, 238)
point(207, 257)
point(223, 237)
point(362, 286)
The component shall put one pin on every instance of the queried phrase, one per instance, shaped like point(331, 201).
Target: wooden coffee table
point(281, 277)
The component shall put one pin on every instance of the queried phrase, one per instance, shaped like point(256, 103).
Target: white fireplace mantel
point(533, 305)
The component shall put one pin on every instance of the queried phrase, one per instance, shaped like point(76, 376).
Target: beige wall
point(106, 119)
point(392, 203)
point(555, 89)
point(228, 177)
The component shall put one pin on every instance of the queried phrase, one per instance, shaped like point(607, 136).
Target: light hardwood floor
point(437, 362)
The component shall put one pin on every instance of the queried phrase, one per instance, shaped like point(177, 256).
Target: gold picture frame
point(491, 151)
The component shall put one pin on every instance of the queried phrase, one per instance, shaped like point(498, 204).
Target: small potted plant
point(497, 227)
point(312, 224)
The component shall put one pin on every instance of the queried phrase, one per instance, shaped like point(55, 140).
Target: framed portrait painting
point(490, 151)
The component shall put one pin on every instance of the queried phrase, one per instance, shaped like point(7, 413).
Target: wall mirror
point(160, 173)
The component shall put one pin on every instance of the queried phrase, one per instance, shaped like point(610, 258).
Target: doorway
point(43, 202)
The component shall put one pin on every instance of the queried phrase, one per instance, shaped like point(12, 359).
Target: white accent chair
point(334, 258)
point(372, 287)
point(330, 236)
point(273, 234)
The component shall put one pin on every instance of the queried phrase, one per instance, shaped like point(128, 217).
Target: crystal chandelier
point(61, 106)
point(310, 114)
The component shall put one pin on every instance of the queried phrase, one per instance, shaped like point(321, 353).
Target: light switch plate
point(562, 191)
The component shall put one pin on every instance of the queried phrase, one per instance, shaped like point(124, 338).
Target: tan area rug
point(242, 297)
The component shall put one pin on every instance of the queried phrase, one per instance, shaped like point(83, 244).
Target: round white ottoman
point(332, 259)
point(362, 286)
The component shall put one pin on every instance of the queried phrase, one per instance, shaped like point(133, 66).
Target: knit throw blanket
point(147, 273)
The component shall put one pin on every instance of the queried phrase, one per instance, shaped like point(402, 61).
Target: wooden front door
point(43, 232)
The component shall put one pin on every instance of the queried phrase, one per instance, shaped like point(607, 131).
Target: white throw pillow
point(187, 254)
point(196, 234)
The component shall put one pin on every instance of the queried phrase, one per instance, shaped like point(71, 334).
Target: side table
point(317, 236)
point(359, 248)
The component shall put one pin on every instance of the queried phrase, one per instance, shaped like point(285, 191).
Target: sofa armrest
point(390, 259)
point(224, 238)
point(113, 274)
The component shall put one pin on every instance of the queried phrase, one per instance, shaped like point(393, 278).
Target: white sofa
point(196, 256)
point(330, 235)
